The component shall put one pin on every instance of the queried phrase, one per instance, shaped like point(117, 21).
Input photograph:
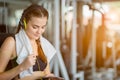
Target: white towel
point(24, 48)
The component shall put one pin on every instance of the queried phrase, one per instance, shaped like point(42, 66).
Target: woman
point(29, 52)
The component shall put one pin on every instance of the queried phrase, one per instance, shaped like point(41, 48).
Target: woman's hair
point(33, 10)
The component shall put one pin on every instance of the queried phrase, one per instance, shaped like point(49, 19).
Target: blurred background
point(85, 33)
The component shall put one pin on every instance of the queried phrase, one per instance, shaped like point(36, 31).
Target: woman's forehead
point(38, 20)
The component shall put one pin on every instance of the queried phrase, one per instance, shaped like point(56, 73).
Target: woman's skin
point(35, 28)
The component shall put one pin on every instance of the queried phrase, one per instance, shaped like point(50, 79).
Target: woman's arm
point(39, 74)
point(7, 50)
point(8, 75)
point(6, 53)
point(34, 76)
point(47, 71)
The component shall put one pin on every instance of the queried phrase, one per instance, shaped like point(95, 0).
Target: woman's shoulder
point(6, 37)
point(9, 42)
point(8, 47)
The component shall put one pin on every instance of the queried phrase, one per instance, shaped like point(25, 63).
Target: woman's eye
point(43, 27)
point(34, 27)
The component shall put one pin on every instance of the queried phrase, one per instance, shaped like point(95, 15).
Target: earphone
point(24, 21)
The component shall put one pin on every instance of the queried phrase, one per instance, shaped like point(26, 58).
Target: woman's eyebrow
point(40, 26)
point(36, 25)
point(44, 25)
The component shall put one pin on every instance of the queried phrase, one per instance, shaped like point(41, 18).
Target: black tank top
point(39, 65)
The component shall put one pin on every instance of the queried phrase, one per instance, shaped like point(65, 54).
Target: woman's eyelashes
point(43, 27)
point(37, 27)
point(34, 27)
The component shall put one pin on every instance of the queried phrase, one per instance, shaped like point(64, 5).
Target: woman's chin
point(37, 38)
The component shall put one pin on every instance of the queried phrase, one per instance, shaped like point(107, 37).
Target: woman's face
point(36, 27)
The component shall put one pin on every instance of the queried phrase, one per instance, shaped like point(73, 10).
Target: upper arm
point(6, 52)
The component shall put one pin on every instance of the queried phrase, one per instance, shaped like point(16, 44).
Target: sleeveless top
point(39, 65)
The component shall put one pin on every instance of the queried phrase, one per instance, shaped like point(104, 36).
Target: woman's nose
point(39, 30)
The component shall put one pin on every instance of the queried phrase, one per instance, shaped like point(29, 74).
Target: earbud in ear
point(24, 21)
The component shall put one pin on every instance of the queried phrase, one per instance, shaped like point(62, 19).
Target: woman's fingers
point(29, 61)
point(48, 75)
point(33, 58)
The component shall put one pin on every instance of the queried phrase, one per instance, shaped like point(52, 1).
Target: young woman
point(27, 54)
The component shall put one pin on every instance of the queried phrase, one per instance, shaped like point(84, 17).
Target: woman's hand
point(29, 61)
point(50, 75)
